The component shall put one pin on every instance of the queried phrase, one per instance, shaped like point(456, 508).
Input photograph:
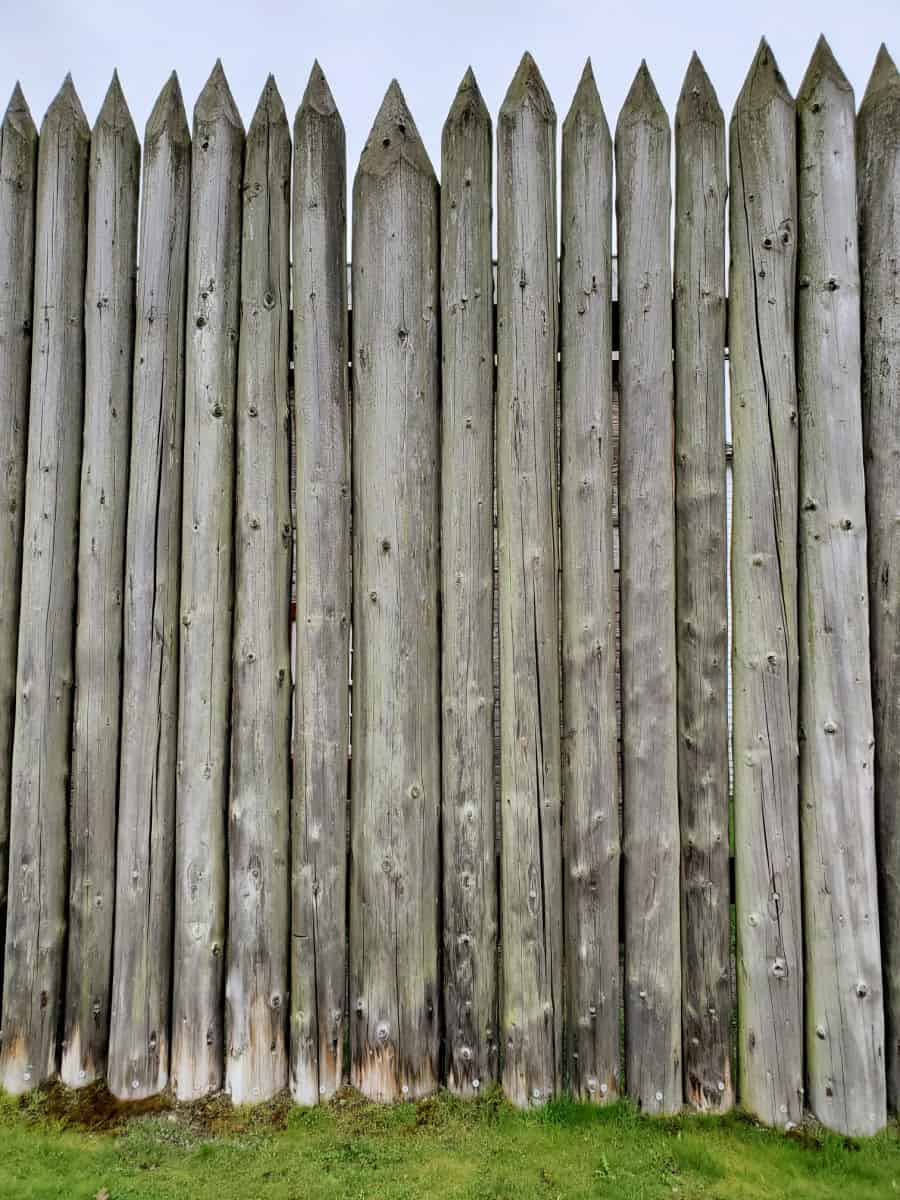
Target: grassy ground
point(55, 1145)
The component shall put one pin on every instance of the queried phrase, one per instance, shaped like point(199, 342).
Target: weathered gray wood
point(647, 539)
point(38, 850)
point(113, 181)
point(878, 183)
point(395, 877)
point(256, 990)
point(701, 187)
point(590, 752)
point(763, 210)
point(844, 995)
point(530, 768)
point(467, 586)
point(18, 172)
point(142, 951)
point(201, 871)
point(322, 713)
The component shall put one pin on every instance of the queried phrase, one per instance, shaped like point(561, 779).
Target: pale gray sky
point(362, 44)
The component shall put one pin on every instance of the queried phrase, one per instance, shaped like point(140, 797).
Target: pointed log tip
point(269, 109)
point(885, 79)
point(18, 114)
point(586, 102)
point(823, 65)
point(66, 105)
point(468, 103)
point(216, 102)
point(528, 87)
point(317, 96)
point(393, 137)
point(169, 114)
point(764, 82)
point(643, 102)
point(698, 99)
point(114, 111)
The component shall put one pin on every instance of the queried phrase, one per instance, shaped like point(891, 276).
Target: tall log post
point(256, 991)
point(763, 210)
point(322, 710)
point(140, 1018)
point(590, 751)
point(18, 176)
point(38, 845)
point(878, 183)
point(113, 182)
point(395, 875)
point(467, 586)
point(647, 533)
point(701, 187)
point(207, 577)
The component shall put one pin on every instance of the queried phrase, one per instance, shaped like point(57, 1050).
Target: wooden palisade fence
point(509, 517)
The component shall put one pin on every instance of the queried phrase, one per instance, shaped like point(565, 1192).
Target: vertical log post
point(140, 1034)
point(201, 871)
point(113, 182)
point(467, 574)
point(38, 850)
point(322, 712)
point(256, 992)
point(18, 174)
point(395, 881)
point(763, 210)
point(590, 752)
point(647, 532)
point(530, 768)
point(844, 995)
point(878, 182)
point(701, 188)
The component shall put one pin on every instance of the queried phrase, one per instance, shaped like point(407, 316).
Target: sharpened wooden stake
point(701, 187)
point(467, 556)
point(18, 175)
point(763, 209)
point(38, 848)
point(207, 577)
point(590, 752)
point(113, 181)
point(322, 712)
point(396, 780)
point(878, 183)
point(256, 989)
point(647, 532)
point(530, 768)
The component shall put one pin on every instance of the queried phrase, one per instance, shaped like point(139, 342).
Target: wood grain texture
point(530, 768)
point(590, 752)
point(763, 211)
point(701, 187)
point(647, 533)
point(322, 702)
point(878, 186)
point(109, 297)
point(467, 586)
point(207, 578)
point(395, 873)
point(18, 178)
point(38, 849)
point(257, 985)
point(140, 1033)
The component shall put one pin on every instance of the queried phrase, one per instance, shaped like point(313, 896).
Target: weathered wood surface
point(844, 1001)
point(207, 576)
point(530, 768)
point(18, 174)
point(38, 848)
point(109, 296)
point(590, 751)
point(395, 875)
point(763, 208)
point(701, 187)
point(467, 586)
point(647, 533)
point(878, 184)
point(257, 984)
point(140, 1034)
point(322, 710)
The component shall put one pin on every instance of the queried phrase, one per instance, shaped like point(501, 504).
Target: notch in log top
point(168, 116)
point(698, 100)
point(586, 103)
point(114, 111)
point(269, 111)
point(884, 80)
point(393, 137)
point(18, 115)
point(468, 104)
point(317, 97)
point(528, 88)
point(823, 65)
point(642, 104)
point(216, 102)
point(65, 109)
point(764, 82)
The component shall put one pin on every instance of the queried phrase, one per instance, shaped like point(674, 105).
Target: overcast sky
point(362, 44)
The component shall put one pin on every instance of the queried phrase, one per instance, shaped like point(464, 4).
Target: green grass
point(440, 1148)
